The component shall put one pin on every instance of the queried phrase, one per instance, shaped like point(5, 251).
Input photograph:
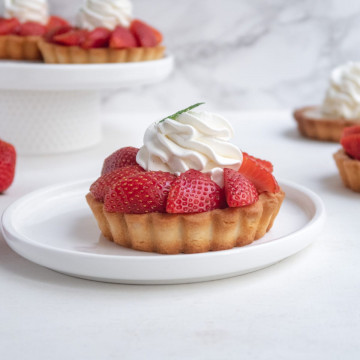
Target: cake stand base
point(48, 122)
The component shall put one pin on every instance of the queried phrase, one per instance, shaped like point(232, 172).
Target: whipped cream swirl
point(27, 10)
point(195, 140)
point(105, 13)
point(343, 95)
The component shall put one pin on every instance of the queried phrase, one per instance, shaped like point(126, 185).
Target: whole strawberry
point(141, 193)
point(239, 191)
point(194, 192)
point(123, 157)
point(7, 165)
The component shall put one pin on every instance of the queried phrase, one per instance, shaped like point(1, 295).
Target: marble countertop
point(305, 307)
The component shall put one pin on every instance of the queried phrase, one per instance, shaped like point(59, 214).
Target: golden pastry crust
point(219, 229)
point(58, 54)
point(349, 170)
point(14, 47)
point(319, 127)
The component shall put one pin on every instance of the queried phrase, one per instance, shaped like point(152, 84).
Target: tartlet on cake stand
point(51, 108)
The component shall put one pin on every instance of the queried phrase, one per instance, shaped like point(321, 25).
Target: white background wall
point(242, 54)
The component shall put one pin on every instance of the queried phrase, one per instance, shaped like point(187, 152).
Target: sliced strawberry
point(194, 192)
point(71, 38)
point(7, 165)
point(50, 34)
point(351, 130)
point(264, 163)
point(351, 145)
point(120, 158)
point(101, 186)
point(55, 22)
point(122, 38)
point(239, 191)
point(143, 33)
point(158, 35)
point(9, 26)
point(31, 28)
point(143, 193)
point(98, 38)
point(258, 175)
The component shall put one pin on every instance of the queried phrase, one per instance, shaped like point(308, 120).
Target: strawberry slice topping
point(71, 38)
point(142, 193)
point(264, 163)
point(258, 175)
point(102, 185)
point(350, 141)
point(120, 158)
point(194, 192)
point(239, 191)
point(122, 38)
point(55, 22)
point(9, 26)
point(144, 33)
point(50, 34)
point(98, 38)
point(31, 28)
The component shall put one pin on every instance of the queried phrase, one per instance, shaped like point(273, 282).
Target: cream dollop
point(27, 10)
point(343, 95)
point(105, 13)
point(195, 140)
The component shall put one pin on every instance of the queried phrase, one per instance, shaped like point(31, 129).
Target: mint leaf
point(174, 116)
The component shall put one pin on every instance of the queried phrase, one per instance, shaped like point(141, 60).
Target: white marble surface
point(305, 307)
point(242, 54)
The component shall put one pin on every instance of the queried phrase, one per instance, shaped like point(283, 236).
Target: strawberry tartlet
point(340, 108)
point(186, 190)
point(105, 33)
point(23, 25)
point(348, 158)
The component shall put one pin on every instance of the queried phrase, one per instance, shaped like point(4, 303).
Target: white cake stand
point(47, 109)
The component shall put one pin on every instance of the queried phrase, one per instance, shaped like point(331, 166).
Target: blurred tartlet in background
point(22, 27)
point(340, 108)
point(106, 33)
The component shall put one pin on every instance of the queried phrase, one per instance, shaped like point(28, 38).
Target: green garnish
point(174, 116)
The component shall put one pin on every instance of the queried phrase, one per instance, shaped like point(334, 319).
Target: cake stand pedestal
point(48, 109)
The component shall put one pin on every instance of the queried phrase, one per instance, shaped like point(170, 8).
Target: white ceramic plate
point(54, 227)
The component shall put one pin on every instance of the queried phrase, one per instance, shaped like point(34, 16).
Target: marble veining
point(242, 55)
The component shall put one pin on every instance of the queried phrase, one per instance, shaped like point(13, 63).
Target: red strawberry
point(7, 165)
point(71, 38)
point(351, 130)
point(143, 193)
point(55, 22)
point(351, 145)
point(120, 158)
point(143, 33)
point(239, 191)
point(98, 38)
point(31, 28)
point(158, 35)
point(264, 163)
point(49, 36)
point(101, 186)
point(9, 26)
point(122, 38)
point(194, 192)
point(258, 175)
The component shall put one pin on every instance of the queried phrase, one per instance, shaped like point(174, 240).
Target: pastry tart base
point(349, 170)
point(14, 47)
point(219, 229)
point(58, 54)
point(312, 124)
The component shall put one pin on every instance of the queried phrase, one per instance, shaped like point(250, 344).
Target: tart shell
point(14, 47)
point(58, 54)
point(320, 128)
point(165, 233)
point(349, 170)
